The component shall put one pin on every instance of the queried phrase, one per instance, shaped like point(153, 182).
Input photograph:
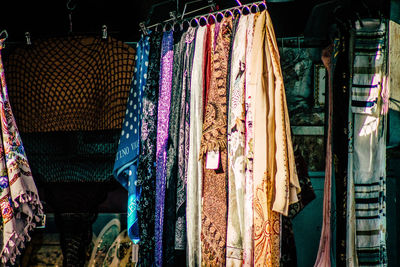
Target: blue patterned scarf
point(125, 168)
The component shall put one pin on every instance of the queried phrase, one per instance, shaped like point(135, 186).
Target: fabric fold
point(126, 162)
point(214, 208)
point(164, 102)
point(195, 172)
point(20, 205)
point(275, 176)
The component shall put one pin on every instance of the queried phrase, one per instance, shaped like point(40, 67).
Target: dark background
point(47, 18)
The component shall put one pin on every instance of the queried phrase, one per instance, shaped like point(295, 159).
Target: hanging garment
point(236, 144)
point(306, 195)
point(369, 156)
point(21, 208)
point(80, 83)
point(147, 169)
point(172, 152)
point(195, 163)
point(249, 153)
point(275, 179)
point(324, 250)
point(178, 149)
point(126, 162)
point(340, 91)
point(164, 102)
point(214, 209)
point(184, 132)
point(69, 96)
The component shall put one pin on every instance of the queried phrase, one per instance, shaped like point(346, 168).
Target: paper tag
point(212, 162)
point(135, 252)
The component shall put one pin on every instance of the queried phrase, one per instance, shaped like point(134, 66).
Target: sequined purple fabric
point(162, 138)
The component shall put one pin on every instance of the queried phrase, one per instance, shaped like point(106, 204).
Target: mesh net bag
point(69, 99)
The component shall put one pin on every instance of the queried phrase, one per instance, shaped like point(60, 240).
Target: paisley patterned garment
point(147, 169)
point(214, 210)
point(162, 138)
point(19, 200)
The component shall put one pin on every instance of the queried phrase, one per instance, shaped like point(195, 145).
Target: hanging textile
point(195, 171)
point(369, 142)
point(178, 149)
point(147, 169)
point(324, 250)
point(306, 195)
point(214, 209)
point(126, 162)
point(275, 179)
point(172, 152)
point(69, 97)
point(184, 132)
point(164, 101)
point(21, 208)
point(80, 83)
point(340, 91)
point(236, 144)
point(249, 153)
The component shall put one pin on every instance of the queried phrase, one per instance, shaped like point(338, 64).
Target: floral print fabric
point(19, 200)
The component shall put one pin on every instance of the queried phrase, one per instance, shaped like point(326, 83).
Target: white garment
point(195, 174)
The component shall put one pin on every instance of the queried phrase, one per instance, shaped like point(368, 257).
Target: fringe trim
point(14, 245)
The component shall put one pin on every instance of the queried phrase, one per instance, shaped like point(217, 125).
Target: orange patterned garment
point(214, 138)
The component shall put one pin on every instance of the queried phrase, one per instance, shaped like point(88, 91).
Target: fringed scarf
point(21, 208)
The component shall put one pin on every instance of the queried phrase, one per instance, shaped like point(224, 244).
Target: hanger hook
point(5, 34)
point(69, 7)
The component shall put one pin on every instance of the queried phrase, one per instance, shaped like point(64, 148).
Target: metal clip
point(28, 38)
point(143, 28)
point(104, 32)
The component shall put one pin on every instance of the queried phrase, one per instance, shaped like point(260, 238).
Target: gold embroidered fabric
point(214, 209)
point(275, 177)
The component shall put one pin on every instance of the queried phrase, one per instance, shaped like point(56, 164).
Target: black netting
point(69, 98)
point(74, 83)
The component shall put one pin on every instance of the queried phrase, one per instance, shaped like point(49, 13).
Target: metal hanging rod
point(247, 8)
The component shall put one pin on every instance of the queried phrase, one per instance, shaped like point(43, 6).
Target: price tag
point(212, 161)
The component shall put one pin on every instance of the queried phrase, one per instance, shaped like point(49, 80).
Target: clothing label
point(135, 253)
point(212, 160)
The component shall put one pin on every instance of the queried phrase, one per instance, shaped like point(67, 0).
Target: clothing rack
point(204, 19)
point(28, 38)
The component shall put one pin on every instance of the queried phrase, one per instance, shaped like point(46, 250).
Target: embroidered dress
point(164, 102)
point(19, 200)
point(195, 169)
point(214, 209)
point(147, 169)
point(126, 163)
point(236, 144)
point(275, 179)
